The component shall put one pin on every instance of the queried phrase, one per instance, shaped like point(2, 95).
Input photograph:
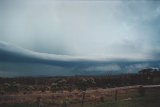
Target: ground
point(126, 97)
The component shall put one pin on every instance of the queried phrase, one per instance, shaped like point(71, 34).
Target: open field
point(131, 90)
point(125, 97)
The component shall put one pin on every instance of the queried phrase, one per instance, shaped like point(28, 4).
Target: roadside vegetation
point(131, 90)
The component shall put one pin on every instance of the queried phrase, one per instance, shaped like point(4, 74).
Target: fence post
point(116, 94)
point(102, 99)
point(64, 104)
point(39, 101)
point(83, 96)
point(142, 91)
point(127, 93)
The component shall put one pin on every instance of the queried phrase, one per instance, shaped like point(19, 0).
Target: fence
point(75, 97)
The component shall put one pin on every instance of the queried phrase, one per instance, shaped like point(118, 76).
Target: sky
point(87, 29)
point(78, 37)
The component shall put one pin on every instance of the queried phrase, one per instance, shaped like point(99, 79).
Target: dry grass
point(73, 98)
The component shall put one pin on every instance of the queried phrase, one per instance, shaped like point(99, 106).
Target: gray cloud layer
point(82, 28)
point(17, 61)
point(78, 37)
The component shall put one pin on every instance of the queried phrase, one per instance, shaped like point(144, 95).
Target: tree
point(58, 85)
point(91, 82)
point(54, 87)
point(62, 84)
point(13, 87)
point(29, 89)
point(82, 85)
point(7, 87)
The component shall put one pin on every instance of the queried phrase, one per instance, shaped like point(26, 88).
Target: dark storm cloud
point(78, 37)
point(82, 28)
point(17, 61)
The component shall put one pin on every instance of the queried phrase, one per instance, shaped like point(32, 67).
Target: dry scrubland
point(113, 97)
point(98, 91)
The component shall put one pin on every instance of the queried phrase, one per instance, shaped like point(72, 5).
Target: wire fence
point(65, 98)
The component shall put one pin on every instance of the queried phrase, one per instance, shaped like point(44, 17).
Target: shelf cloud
point(18, 61)
point(78, 35)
